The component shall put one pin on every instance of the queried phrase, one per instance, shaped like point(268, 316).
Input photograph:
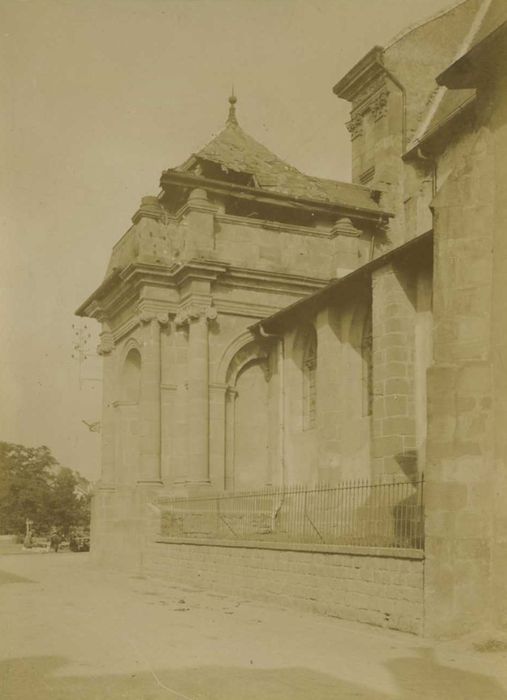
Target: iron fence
point(386, 512)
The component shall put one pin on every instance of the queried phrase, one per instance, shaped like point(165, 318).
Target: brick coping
point(351, 550)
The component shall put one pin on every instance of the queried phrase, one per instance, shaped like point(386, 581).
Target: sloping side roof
point(445, 103)
point(452, 103)
point(419, 248)
point(418, 56)
point(495, 16)
point(493, 27)
point(413, 59)
point(235, 150)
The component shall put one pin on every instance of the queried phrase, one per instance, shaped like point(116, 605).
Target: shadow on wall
point(415, 678)
point(407, 514)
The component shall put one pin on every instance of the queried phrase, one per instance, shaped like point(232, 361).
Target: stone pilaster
point(393, 330)
point(461, 483)
point(196, 318)
point(199, 223)
point(108, 437)
point(217, 434)
point(230, 399)
point(150, 402)
point(329, 398)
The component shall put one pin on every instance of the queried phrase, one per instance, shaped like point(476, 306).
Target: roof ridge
point(232, 148)
point(236, 128)
point(474, 29)
point(420, 23)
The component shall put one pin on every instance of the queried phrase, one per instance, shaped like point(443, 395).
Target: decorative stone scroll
point(378, 105)
point(106, 344)
point(372, 98)
point(355, 126)
point(146, 316)
point(193, 313)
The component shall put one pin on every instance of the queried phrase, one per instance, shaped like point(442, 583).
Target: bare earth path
point(70, 632)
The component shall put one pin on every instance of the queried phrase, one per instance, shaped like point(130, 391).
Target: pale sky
point(98, 97)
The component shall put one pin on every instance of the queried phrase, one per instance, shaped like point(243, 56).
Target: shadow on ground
point(415, 678)
point(7, 577)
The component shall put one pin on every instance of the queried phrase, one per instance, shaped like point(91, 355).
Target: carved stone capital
point(194, 313)
point(211, 313)
point(163, 318)
point(180, 320)
point(146, 316)
point(186, 315)
point(355, 126)
point(106, 344)
point(378, 105)
point(373, 98)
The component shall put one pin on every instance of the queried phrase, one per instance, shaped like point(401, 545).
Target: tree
point(33, 485)
point(68, 507)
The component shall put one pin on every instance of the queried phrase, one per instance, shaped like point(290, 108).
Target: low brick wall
point(379, 587)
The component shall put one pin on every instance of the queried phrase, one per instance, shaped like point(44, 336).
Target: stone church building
point(269, 337)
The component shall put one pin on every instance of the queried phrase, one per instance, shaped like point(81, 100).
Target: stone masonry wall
point(386, 591)
point(460, 475)
point(393, 320)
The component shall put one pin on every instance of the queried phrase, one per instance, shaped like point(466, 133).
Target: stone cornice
point(271, 281)
point(200, 206)
point(234, 219)
point(180, 179)
point(196, 269)
point(229, 307)
point(372, 96)
point(129, 290)
point(365, 86)
point(375, 101)
point(125, 328)
point(273, 225)
point(365, 70)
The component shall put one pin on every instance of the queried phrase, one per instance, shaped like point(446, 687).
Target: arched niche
point(360, 339)
point(131, 376)
point(305, 354)
point(367, 365)
point(129, 415)
point(247, 430)
point(236, 346)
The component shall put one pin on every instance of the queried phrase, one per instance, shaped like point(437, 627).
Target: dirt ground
point(71, 632)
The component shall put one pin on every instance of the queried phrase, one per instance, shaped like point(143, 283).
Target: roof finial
point(231, 119)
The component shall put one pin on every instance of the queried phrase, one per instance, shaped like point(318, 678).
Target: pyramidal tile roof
point(235, 150)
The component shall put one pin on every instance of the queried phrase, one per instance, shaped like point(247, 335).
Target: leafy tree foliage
point(33, 485)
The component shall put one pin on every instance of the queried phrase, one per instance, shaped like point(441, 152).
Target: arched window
point(309, 379)
point(367, 366)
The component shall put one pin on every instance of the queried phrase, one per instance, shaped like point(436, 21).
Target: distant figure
point(27, 544)
point(55, 541)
